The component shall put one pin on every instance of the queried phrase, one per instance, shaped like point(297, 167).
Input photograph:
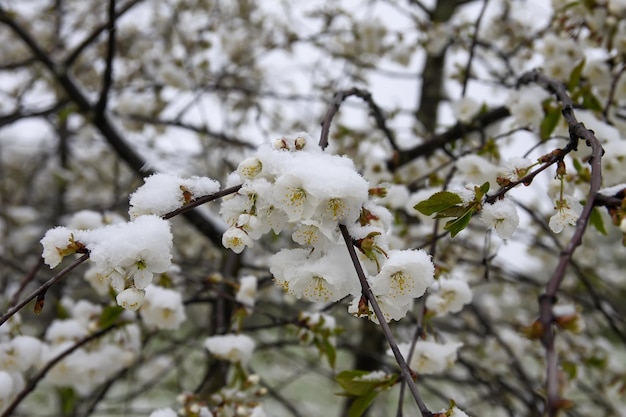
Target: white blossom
point(163, 193)
point(448, 296)
point(55, 244)
point(130, 299)
point(502, 216)
point(465, 109)
point(164, 412)
point(162, 308)
point(430, 357)
point(231, 347)
point(568, 210)
point(236, 239)
point(247, 291)
point(405, 274)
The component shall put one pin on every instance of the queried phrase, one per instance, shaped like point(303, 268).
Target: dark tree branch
point(107, 77)
point(375, 111)
point(73, 56)
point(548, 298)
point(18, 115)
point(451, 135)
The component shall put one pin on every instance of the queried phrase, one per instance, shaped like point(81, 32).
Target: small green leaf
point(109, 315)
point(361, 404)
point(349, 380)
point(330, 352)
point(574, 78)
point(437, 202)
point(596, 221)
point(456, 211)
point(67, 400)
point(549, 123)
point(484, 189)
point(570, 369)
point(590, 102)
point(456, 225)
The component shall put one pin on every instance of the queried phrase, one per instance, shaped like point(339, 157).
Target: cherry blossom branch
point(546, 316)
point(202, 200)
point(32, 383)
point(376, 112)
point(367, 291)
point(43, 288)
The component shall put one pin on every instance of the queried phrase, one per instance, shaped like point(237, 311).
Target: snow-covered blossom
point(568, 210)
point(448, 296)
point(430, 357)
point(246, 293)
point(162, 193)
point(162, 308)
point(324, 277)
point(454, 412)
point(250, 168)
point(130, 299)
point(502, 216)
point(57, 243)
point(568, 317)
point(406, 274)
point(125, 255)
point(164, 412)
point(231, 347)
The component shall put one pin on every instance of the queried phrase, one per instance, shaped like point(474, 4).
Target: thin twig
point(43, 288)
point(472, 49)
point(376, 112)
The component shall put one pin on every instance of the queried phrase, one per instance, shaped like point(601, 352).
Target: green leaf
point(437, 202)
point(455, 226)
point(456, 211)
point(330, 352)
point(67, 400)
point(109, 315)
point(484, 189)
point(549, 122)
point(349, 381)
point(574, 78)
point(361, 404)
point(590, 102)
point(596, 221)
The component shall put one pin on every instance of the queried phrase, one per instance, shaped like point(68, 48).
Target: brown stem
point(404, 367)
point(577, 131)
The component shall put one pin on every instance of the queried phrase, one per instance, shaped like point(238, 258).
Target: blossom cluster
point(125, 256)
point(294, 185)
